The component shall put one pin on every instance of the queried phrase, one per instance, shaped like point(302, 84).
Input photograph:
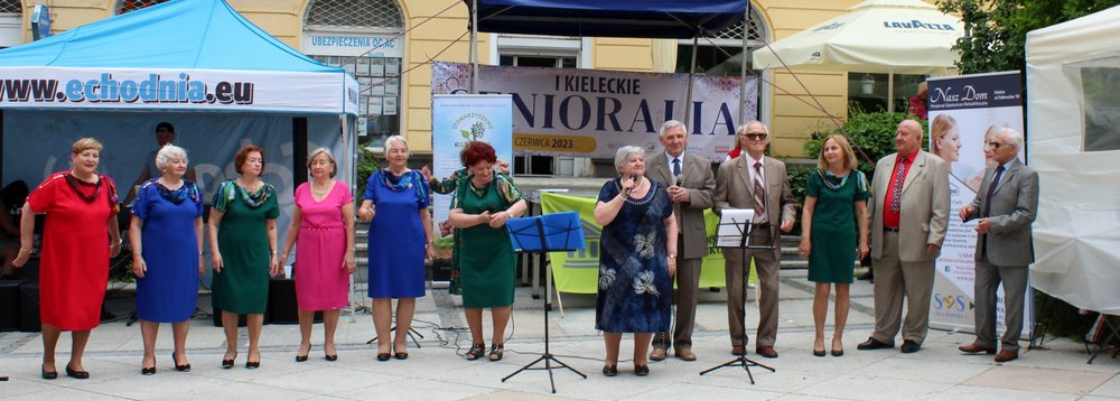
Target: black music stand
point(563, 233)
point(735, 233)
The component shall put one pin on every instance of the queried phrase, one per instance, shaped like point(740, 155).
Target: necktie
point(759, 194)
point(992, 191)
point(899, 179)
point(676, 167)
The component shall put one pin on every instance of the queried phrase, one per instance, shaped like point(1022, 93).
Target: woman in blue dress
point(400, 238)
point(166, 238)
point(637, 258)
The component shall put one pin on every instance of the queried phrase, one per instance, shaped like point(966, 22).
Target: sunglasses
point(755, 137)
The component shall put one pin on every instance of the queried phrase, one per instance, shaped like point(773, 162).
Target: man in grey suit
point(908, 221)
point(754, 181)
point(1006, 204)
point(691, 184)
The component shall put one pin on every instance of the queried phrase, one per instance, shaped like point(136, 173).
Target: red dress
point(74, 268)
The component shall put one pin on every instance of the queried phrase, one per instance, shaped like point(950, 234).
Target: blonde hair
point(850, 162)
point(330, 156)
point(85, 144)
point(940, 126)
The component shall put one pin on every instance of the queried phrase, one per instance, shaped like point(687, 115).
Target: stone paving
point(1057, 371)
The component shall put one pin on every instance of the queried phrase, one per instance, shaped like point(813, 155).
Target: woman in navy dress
point(400, 237)
point(637, 258)
point(166, 237)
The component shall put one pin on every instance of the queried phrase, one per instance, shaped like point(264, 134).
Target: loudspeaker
point(282, 305)
point(9, 305)
point(218, 318)
point(29, 307)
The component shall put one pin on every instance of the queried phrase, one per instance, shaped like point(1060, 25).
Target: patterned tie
point(759, 193)
point(992, 191)
point(676, 167)
point(899, 179)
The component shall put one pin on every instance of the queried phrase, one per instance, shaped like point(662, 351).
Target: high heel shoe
point(48, 375)
point(303, 358)
point(496, 352)
point(476, 352)
point(181, 368)
point(837, 351)
point(228, 363)
point(330, 357)
point(77, 374)
point(818, 352)
point(610, 370)
point(148, 371)
point(400, 355)
point(641, 370)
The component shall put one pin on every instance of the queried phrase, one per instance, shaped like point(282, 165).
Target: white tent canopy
point(876, 36)
point(1073, 143)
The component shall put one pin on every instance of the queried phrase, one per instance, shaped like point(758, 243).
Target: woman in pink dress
point(322, 219)
point(80, 234)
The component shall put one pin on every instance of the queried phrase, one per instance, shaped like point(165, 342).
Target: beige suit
point(692, 242)
point(903, 265)
point(734, 189)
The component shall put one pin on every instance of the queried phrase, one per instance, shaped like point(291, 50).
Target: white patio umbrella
point(875, 36)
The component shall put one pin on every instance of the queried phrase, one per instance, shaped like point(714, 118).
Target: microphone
point(678, 179)
point(633, 177)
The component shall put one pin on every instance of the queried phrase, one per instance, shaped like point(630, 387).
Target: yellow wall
point(793, 115)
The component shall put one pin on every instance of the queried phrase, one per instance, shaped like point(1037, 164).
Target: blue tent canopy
point(609, 18)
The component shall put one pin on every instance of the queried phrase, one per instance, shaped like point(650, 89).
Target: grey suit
point(692, 242)
point(734, 189)
point(903, 265)
point(1005, 251)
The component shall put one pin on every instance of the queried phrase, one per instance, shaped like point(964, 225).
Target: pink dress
point(322, 280)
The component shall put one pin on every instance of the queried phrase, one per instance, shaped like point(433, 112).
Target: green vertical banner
point(577, 272)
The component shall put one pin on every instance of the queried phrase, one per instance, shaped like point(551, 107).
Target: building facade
point(387, 44)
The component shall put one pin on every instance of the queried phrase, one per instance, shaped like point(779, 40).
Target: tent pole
point(474, 47)
point(743, 65)
point(691, 73)
point(890, 91)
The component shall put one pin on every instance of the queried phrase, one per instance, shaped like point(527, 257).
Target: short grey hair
point(668, 125)
point(325, 152)
point(743, 128)
point(395, 138)
point(169, 152)
point(623, 155)
point(1014, 138)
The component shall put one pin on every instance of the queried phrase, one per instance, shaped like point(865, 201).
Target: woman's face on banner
point(949, 145)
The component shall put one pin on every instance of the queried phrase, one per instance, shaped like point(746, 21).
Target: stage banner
point(965, 112)
point(141, 89)
point(591, 113)
point(459, 119)
point(577, 272)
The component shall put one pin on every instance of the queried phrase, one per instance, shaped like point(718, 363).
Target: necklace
point(832, 181)
point(320, 190)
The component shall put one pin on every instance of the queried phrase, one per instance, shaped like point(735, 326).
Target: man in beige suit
point(754, 181)
point(908, 221)
point(691, 184)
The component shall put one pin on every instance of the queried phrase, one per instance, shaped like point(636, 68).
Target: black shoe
point(302, 358)
point(383, 357)
point(818, 353)
point(610, 370)
point(49, 375)
point(837, 352)
point(331, 358)
point(872, 343)
point(148, 371)
point(910, 347)
point(80, 375)
point(869, 276)
point(181, 368)
point(641, 370)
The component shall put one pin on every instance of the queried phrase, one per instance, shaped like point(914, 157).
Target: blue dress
point(634, 287)
point(168, 293)
point(396, 235)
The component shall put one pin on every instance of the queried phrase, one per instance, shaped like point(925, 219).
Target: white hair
point(330, 157)
point(623, 155)
point(668, 125)
point(1014, 138)
point(169, 152)
point(743, 128)
point(395, 138)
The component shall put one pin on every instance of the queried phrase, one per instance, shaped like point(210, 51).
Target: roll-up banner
point(964, 113)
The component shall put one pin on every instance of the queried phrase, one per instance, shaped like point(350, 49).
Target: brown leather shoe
point(686, 355)
point(872, 343)
point(975, 348)
point(1007, 356)
point(738, 350)
point(658, 354)
point(766, 351)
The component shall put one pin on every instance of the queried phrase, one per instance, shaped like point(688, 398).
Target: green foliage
point(996, 31)
point(367, 164)
point(870, 134)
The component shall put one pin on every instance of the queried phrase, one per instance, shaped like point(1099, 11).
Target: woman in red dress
point(80, 234)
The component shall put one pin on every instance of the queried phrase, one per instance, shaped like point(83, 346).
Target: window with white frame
point(11, 20)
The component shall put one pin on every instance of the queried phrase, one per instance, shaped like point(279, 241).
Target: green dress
point(242, 286)
point(486, 259)
point(448, 186)
point(835, 233)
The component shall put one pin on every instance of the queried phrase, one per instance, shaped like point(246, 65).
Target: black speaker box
point(29, 307)
point(9, 305)
point(282, 305)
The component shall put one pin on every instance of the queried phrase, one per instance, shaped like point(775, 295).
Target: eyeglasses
point(755, 137)
point(994, 145)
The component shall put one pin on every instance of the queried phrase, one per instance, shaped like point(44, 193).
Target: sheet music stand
point(555, 232)
point(735, 231)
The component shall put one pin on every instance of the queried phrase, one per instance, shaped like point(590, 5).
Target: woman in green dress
point(481, 206)
point(833, 233)
point(243, 247)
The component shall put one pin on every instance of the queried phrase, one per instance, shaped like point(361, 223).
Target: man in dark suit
point(1005, 204)
point(909, 217)
point(754, 181)
point(691, 184)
